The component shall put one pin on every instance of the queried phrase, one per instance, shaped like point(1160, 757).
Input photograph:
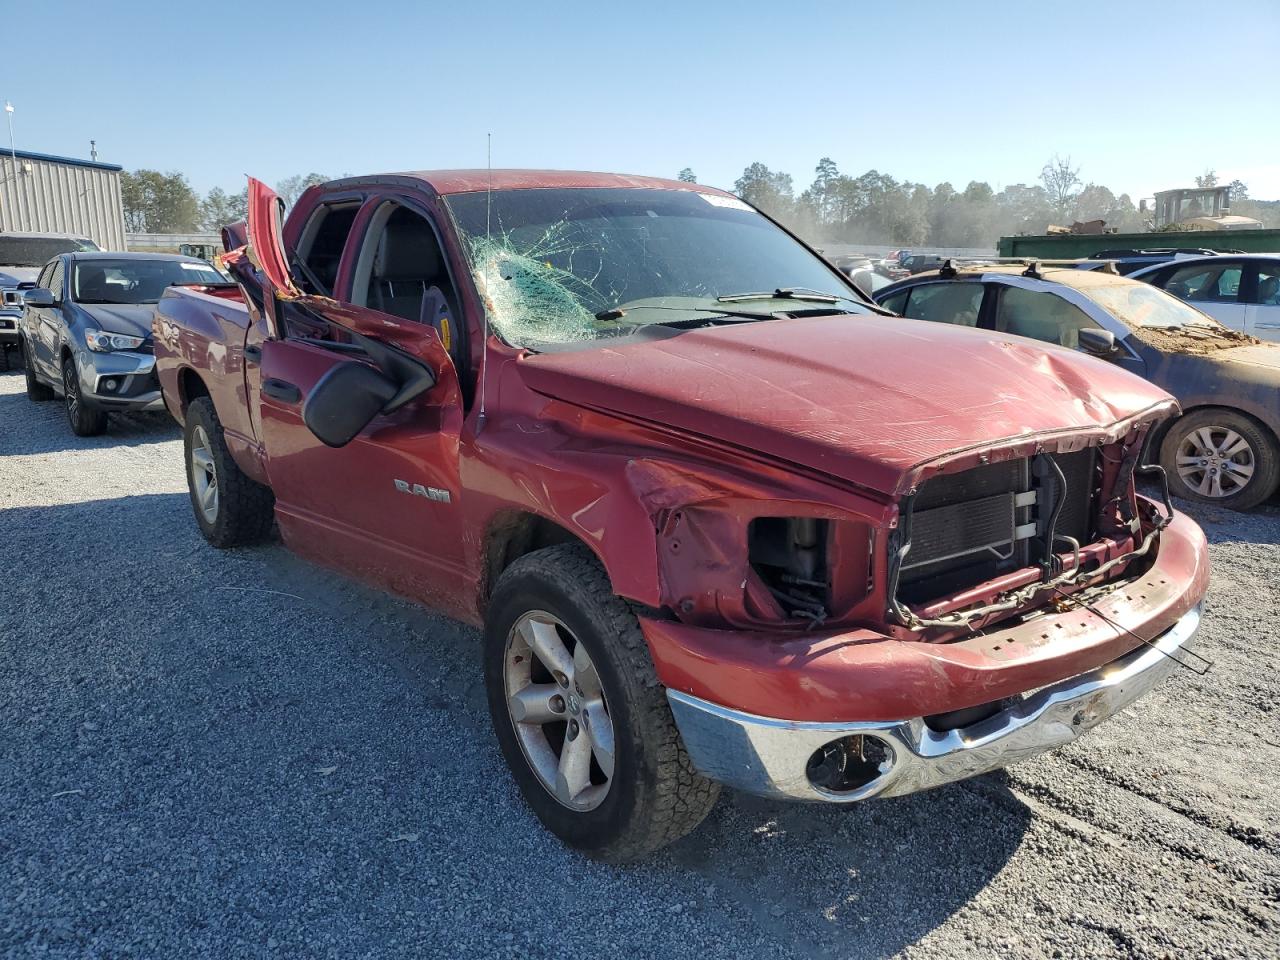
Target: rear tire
point(636, 790)
point(231, 509)
point(6, 364)
point(85, 420)
point(36, 390)
point(1222, 457)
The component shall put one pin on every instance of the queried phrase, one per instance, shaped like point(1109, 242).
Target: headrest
point(408, 251)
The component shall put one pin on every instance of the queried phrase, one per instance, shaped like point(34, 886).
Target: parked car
point(1241, 290)
point(704, 500)
point(1128, 260)
point(85, 331)
point(920, 262)
point(1223, 449)
point(21, 257)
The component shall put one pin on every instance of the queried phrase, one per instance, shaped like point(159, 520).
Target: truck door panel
point(389, 501)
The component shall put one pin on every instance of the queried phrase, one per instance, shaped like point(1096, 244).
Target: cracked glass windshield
point(561, 266)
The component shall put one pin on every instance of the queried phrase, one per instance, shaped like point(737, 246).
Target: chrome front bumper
point(769, 757)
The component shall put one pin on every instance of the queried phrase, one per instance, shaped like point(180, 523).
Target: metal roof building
point(43, 193)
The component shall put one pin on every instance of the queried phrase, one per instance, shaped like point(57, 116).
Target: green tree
point(687, 176)
point(1207, 179)
point(156, 202)
point(219, 208)
point(771, 192)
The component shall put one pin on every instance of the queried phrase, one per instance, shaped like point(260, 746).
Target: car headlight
point(104, 342)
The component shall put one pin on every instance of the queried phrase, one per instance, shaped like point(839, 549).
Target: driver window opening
point(402, 270)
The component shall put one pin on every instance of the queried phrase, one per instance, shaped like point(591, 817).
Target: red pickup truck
point(723, 521)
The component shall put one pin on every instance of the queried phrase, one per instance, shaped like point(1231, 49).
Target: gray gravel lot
point(232, 754)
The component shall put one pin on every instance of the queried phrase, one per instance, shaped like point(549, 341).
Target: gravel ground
point(229, 754)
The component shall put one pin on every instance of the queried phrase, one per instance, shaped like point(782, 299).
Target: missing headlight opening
point(789, 554)
point(965, 529)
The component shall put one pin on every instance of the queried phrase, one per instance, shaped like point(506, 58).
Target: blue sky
point(1141, 96)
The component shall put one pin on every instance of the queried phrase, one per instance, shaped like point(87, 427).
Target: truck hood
point(868, 399)
point(131, 319)
point(12, 276)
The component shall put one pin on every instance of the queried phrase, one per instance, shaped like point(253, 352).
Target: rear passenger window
point(956, 303)
point(1269, 285)
point(320, 248)
point(1041, 316)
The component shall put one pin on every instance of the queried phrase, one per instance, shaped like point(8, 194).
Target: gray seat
point(406, 265)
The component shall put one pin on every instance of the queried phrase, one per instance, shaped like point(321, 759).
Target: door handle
point(281, 390)
point(253, 352)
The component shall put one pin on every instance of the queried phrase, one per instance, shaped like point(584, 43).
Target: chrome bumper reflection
point(766, 756)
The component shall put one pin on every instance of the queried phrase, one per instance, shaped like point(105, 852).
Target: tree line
point(156, 202)
point(873, 208)
point(876, 208)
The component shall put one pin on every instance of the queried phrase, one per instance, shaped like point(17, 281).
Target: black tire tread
point(246, 508)
point(1267, 471)
point(682, 797)
point(88, 422)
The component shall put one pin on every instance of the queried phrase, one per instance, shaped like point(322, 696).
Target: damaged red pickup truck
point(721, 521)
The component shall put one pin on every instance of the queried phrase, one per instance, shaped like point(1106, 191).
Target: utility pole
point(13, 156)
point(93, 150)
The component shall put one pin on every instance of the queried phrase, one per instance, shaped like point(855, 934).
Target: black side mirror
point(39, 297)
point(1100, 343)
point(345, 400)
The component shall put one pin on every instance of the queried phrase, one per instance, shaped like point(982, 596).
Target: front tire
point(85, 420)
point(578, 711)
point(231, 509)
point(1220, 456)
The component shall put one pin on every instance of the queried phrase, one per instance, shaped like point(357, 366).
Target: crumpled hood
point(131, 319)
point(867, 399)
point(12, 276)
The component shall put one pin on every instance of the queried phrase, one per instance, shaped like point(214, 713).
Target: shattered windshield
point(1141, 305)
point(574, 265)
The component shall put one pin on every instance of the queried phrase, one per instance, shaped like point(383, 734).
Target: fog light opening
point(110, 384)
point(850, 763)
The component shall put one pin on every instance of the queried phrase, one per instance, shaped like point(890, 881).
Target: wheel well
point(190, 386)
point(512, 534)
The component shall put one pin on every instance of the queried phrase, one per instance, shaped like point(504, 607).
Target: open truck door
point(356, 409)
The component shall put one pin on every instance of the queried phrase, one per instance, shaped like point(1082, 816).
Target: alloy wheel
point(71, 389)
point(204, 474)
point(558, 709)
point(1215, 461)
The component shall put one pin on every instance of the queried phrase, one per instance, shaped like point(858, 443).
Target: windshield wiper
point(617, 313)
point(786, 293)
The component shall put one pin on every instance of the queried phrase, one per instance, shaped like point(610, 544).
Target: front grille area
point(969, 527)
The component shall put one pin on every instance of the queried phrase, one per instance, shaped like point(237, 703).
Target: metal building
point(42, 193)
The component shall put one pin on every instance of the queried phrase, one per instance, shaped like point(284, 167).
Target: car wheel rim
point(558, 711)
point(204, 475)
point(1215, 461)
point(72, 389)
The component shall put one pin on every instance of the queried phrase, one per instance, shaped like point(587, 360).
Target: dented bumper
point(735, 693)
point(771, 757)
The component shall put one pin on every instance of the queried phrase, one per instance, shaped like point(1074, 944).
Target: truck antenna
point(484, 305)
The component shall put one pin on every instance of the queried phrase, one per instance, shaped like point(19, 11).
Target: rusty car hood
point(868, 399)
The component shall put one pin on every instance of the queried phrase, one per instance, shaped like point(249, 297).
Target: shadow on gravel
point(220, 752)
point(34, 428)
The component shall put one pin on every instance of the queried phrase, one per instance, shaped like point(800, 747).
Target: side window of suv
point(46, 273)
point(1041, 315)
point(957, 303)
point(1205, 283)
point(55, 279)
